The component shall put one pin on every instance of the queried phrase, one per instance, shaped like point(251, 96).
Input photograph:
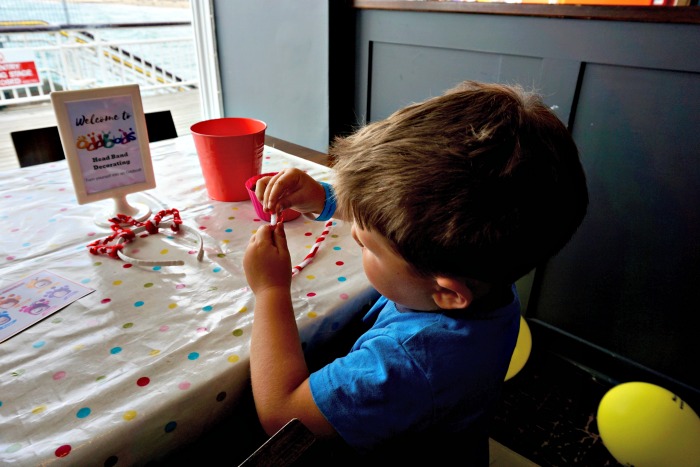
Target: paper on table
point(34, 298)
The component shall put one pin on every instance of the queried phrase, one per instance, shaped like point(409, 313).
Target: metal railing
point(161, 59)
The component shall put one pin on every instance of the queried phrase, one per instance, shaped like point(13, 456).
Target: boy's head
point(483, 182)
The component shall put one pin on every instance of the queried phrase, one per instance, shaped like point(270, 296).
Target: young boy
point(452, 200)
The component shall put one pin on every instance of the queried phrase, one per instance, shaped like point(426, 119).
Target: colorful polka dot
point(83, 412)
point(193, 356)
point(39, 409)
point(237, 332)
point(63, 451)
point(59, 375)
point(170, 426)
point(184, 385)
point(207, 308)
point(143, 381)
point(233, 358)
point(115, 350)
point(138, 304)
point(129, 415)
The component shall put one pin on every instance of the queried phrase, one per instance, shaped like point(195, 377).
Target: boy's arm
point(279, 374)
point(292, 189)
point(280, 377)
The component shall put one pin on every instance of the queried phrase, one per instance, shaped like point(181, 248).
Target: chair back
point(37, 146)
point(160, 126)
point(284, 448)
point(41, 145)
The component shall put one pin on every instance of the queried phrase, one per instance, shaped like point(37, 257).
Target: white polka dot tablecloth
point(156, 354)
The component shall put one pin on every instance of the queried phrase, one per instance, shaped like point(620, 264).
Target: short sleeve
point(363, 394)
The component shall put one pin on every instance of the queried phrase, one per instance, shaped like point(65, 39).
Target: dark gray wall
point(630, 93)
point(273, 59)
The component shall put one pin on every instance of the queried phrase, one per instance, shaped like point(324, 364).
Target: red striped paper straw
point(314, 249)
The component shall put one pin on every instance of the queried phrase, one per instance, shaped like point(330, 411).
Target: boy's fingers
point(263, 234)
point(260, 187)
point(270, 190)
point(280, 238)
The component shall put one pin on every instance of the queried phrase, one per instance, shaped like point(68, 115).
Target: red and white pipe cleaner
point(127, 235)
point(310, 257)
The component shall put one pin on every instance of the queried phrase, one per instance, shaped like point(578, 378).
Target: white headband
point(144, 262)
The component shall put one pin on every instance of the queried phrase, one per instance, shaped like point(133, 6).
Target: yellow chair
point(521, 353)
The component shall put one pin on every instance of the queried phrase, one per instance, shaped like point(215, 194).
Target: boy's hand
point(290, 188)
point(266, 261)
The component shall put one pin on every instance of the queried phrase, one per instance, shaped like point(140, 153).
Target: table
point(155, 355)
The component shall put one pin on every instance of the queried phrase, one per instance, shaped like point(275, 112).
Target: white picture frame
point(105, 140)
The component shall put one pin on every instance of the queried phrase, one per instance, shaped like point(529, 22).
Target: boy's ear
point(452, 294)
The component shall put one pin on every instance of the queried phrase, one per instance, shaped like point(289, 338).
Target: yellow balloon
point(645, 425)
point(522, 350)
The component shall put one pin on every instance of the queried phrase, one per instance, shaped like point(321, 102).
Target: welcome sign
point(106, 142)
point(104, 136)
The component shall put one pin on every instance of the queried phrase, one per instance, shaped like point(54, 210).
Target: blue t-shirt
point(417, 372)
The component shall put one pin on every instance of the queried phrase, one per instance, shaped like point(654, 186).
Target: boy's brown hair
point(482, 182)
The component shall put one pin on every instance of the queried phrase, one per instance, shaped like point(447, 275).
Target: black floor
point(548, 414)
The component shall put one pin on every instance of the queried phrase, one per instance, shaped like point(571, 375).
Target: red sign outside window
point(17, 68)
